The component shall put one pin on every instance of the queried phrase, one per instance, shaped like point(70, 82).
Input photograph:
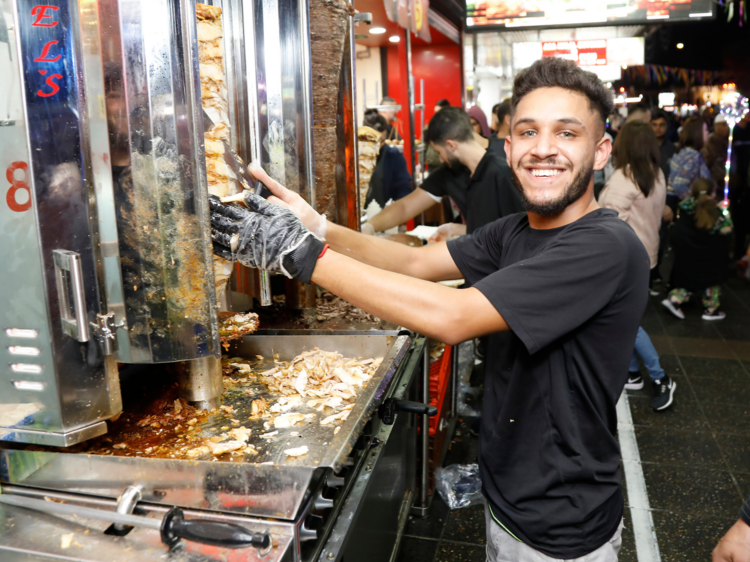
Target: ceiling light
point(680, 45)
point(624, 66)
point(377, 30)
point(394, 39)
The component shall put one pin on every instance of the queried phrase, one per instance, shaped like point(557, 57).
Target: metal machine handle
point(388, 409)
point(227, 535)
point(69, 277)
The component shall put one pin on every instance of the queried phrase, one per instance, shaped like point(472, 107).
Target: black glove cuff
point(745, 512)
point(300, 263)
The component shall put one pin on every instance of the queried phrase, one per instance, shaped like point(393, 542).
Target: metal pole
point(355, 120)
point(425, 468)
point(410, 84)
point(454, 381)
point(423, 159)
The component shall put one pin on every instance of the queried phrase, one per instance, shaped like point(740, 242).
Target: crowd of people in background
point(665, 178)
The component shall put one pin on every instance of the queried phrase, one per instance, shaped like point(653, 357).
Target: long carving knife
point(173, 526)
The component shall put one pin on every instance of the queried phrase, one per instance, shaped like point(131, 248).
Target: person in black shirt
point(474, 176)
point(390, 179)
point(560, 290)
point(490, 193)
point(667, 149)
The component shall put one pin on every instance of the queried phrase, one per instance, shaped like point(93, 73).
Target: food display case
point(119, 114)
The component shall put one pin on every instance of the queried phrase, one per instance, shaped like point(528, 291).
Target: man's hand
point(313, 221)
point(735, 545)
point(447, 231)
point(266, 236)
point(667, 215)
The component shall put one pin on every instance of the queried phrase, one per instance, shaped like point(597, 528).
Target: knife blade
point(232, 159)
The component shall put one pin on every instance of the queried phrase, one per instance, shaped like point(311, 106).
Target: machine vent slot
point(23, 350)
point(21, 333)
point(26, 368)
point(36, 386)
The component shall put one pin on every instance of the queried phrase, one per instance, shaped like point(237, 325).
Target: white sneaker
point(673, 308)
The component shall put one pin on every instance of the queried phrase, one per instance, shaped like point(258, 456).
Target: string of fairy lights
point(734, 107)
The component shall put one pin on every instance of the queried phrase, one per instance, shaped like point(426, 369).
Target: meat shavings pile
point(316, 387)
point(325, 381)
point(235, 326)
point(171, 429)
point(168, 428)
point(320, 374)
point(329, 306)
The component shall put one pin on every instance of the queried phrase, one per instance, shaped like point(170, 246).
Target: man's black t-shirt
point(487, 195)
point(573, 298)
point(451, 182)
point(498, 147)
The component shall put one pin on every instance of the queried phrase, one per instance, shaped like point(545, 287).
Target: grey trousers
point(501, 547)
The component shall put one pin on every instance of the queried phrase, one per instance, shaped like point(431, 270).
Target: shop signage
point(583, 53)
point(410, 14)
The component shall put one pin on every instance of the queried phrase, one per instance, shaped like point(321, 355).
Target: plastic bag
point(459, 485)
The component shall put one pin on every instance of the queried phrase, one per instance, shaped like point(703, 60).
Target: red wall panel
point(438, 65)
point(440, 68)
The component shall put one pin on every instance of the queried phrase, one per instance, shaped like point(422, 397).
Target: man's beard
point(572, 193)
point(452, 161)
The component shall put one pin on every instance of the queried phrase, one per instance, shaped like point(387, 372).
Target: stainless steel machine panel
point(153, 106)
point(267, 485)
point(277, 54)
point(58, 383)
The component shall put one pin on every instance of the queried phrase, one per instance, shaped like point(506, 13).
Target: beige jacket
point(643, 214)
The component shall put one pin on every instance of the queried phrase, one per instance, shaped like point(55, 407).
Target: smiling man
point(560, 289)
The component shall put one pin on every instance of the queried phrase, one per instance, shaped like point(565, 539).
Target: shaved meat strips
point(221, 180)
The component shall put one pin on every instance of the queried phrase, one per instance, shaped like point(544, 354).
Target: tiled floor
point(696, 455)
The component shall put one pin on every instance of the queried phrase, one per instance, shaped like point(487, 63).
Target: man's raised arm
point(271, 237)
point(432, 263)
point(402, 210)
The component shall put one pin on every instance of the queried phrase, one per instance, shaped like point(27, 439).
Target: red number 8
point(10, 198)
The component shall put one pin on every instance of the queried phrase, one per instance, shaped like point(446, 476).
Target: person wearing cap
point(715, 150)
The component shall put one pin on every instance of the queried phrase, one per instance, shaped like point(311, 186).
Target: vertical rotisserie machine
point(107, 260)
point(110, 247)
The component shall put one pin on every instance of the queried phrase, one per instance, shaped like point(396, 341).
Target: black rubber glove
point(264, 236)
